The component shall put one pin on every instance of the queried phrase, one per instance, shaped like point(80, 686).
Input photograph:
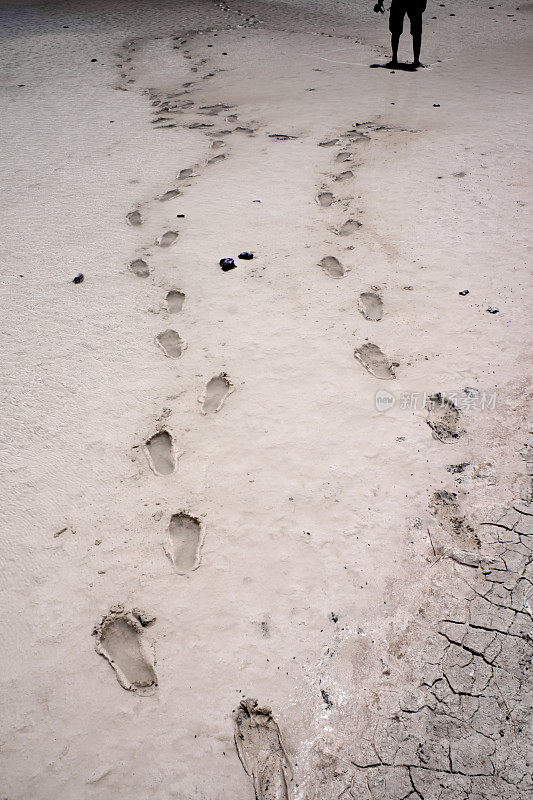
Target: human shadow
point(404, 67)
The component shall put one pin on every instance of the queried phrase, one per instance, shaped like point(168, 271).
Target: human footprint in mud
point(399, 8)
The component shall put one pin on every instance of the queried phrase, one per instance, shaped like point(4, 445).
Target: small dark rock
point(180, 215)
point(493, 310)
point(246, 256)
point(227, 264)
point(93, 60)
point(78, 278)
point(436, 105)
point(464, 292)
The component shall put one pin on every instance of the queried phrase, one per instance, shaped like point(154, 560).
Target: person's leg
point(417, 44)
point(397, 13)
point(416, 32)
point(394, 43)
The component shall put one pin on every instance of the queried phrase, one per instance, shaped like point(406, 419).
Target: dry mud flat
point(459, 729)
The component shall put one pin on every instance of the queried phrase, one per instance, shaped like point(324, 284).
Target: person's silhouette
point(399, 8)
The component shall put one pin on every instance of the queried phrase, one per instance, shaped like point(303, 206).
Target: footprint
point(220, 157)
point(443, 418)
point(344, 176)
point(175, 300)
point(170, 194)
point(374, 361)
point(328, 143)
point(343, 156)
point(444, 506)
point(281, 137)
point(119, 639)
point(332, 267)
point(167, 239)
point(140, 268)
point(171, 343)
point(185, 173)
point(159, 450)
point(371, 306)
point(261, 751)
point(134, 218)
point(325, 199)
point(216, 108)
point(349, 227)
point(186, 537)
point(215, 392)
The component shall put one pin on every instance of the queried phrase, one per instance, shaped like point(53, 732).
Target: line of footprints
point(119, 634)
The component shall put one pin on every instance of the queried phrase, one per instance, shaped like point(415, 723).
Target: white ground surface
point(313, 501)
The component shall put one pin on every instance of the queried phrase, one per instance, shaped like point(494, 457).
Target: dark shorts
point(414, 10)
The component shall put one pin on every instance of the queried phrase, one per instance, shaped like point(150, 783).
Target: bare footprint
point(375, 361)
point(281, 137)
point(175, 300)
point(344, 176)
point(134, 218)
point(325, 199)
point(328, 143)
point(159, 450)
point(371, 306)
point(443, 418)
point(170, 194)
point(215, 393)
point(214, 160)
point(332, 267)
point(186, 537)
point(261, 751)
point(349, 227)
point(167, 239)
point(140, 268)
point(343, 156)
point(185, 173)
point(119, 639)
point(171, 343)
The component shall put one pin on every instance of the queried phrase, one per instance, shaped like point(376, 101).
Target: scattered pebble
point(78, 278)
point(493, 310)
point(93, 60)
point(227, 264)
point(247, 256)
point(464, 292)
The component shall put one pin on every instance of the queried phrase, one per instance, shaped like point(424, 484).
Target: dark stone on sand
point(464, 292)
point(247, 256)
point(436, 105)
point(227, 264)
point(493, 310)
point(93, 59)
point(78, 278)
